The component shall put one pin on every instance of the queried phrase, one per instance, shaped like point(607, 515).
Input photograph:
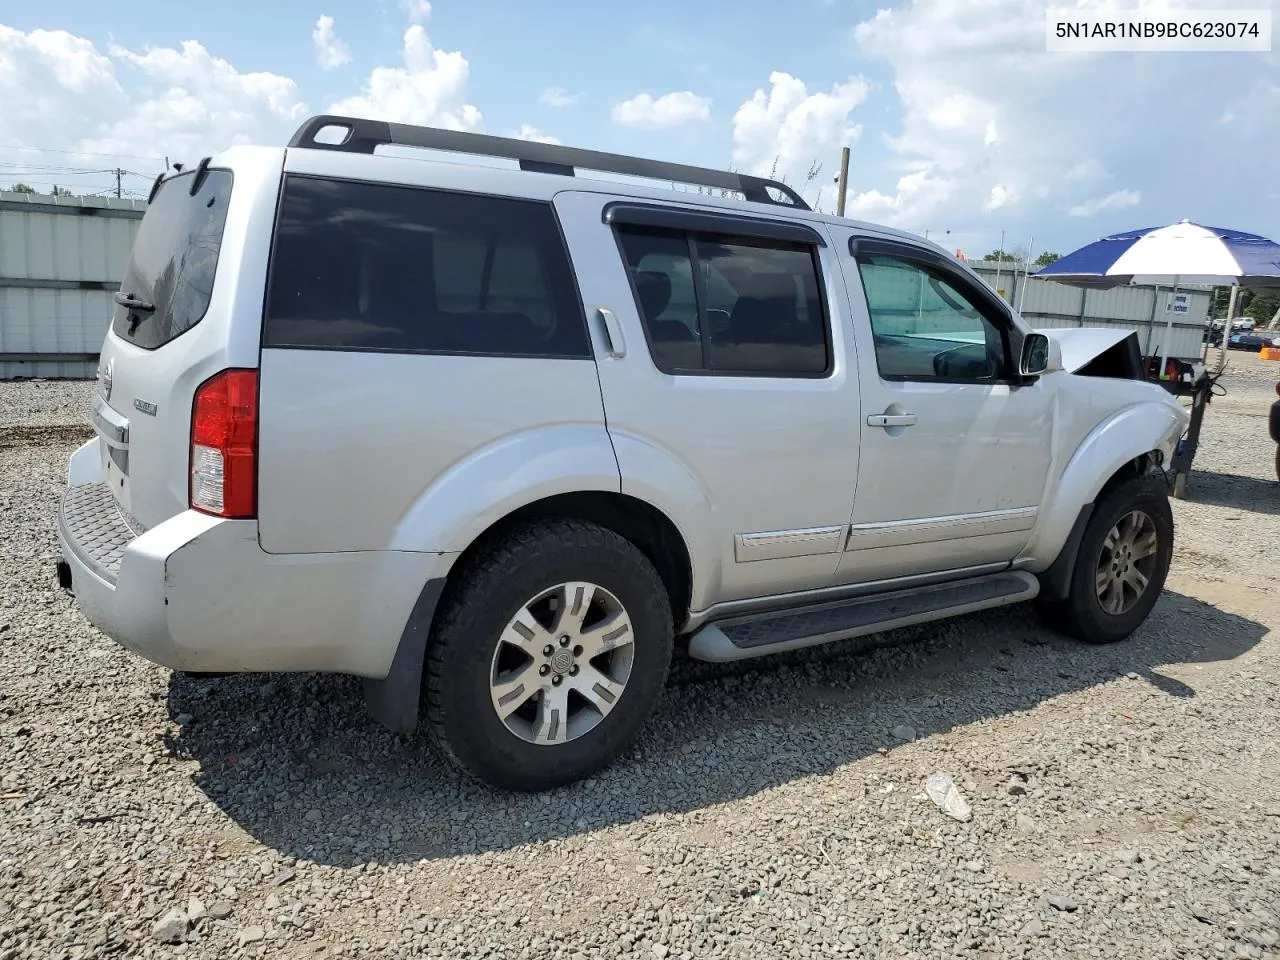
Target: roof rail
point(358, 135)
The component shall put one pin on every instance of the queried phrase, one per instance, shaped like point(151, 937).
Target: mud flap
point(393, 701)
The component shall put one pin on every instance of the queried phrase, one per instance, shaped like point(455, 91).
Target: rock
point(1060, 901)
point(171, 928)
point(250, 935)
point(196, 910)
point(1016, 788)
point(1034, 928)
point(183, 719)
point(660, 951)
point(220, 910)
point(272, 903)
point(904, 732)
point(941, 789)
point(1129, 856)
point(283, 877)
point(1025, 824)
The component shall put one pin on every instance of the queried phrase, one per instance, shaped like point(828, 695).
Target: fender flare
point(1121, 438)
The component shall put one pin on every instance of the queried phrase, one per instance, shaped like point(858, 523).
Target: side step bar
point(743, 637)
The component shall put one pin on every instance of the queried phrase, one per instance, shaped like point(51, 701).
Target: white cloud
point(528, 131)
point(431, 88)
point(787, 129)
point(189, 102)
point(983, 103)
point(416, 10)
point(1089, 170)
point(668, 110)
point(331, 52)
point(558, 97)
point(51, 83)
point(1112, 201)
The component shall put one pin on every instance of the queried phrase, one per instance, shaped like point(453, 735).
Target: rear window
point(361, 266)
point(174, 258)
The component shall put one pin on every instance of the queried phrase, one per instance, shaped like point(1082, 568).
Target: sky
point(959, 122)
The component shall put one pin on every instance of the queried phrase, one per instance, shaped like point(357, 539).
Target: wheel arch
point(651, 531)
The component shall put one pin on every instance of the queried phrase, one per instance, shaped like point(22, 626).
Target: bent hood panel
point(1082, 344)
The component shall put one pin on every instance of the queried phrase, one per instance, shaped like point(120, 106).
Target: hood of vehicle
point(1082, 344)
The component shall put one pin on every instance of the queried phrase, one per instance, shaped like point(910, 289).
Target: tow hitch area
point(64, 575)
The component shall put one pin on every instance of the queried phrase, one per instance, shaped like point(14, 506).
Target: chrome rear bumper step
point(743, 637)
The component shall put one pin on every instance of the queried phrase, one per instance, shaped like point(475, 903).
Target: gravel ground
point(1124, 799)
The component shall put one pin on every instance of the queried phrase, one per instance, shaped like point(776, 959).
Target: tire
point(1277, 463)
point(1083, 614)
point(482, 660)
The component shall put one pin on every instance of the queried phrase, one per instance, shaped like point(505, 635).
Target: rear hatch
point(166, 330)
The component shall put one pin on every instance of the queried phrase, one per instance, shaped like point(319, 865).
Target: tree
point(1001, 255)
point(59, 192)
point(23, 188)
point(1047, 258)
point(1262, 306)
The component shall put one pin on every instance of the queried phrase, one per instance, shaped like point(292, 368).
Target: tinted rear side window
point(174, 258)
point(728, 305)
point(362, 266)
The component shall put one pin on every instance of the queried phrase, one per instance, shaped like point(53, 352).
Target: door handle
point(891, 420)
point(612, 332)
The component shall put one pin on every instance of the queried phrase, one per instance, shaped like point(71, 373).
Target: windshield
point(169, 279)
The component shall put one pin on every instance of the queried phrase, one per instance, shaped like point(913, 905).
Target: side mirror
point(1040, 354)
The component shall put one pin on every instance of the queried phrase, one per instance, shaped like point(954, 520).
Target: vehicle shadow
point(296, 762)
point(1234, 491)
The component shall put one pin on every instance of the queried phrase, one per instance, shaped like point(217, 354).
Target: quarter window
point(924, 328)
point(362, 266)
point(728, 305)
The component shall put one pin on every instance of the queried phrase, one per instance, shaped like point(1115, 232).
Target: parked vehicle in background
point(497, 439)
point(1252, 341)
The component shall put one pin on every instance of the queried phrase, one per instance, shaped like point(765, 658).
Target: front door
point(955, 450)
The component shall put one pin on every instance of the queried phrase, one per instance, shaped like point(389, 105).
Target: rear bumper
point(198, 593)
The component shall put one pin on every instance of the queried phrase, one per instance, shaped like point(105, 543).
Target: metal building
point(1049, 304)
point(61, 258)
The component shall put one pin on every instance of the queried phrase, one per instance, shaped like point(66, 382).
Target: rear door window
point(728, 305)
point(362, 266)
point(174, 259)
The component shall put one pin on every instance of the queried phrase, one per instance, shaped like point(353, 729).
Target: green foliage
point(1047, 258)
point(23, 188)
point(1001, 255)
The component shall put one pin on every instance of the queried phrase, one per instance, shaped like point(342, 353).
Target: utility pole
point(844, 181)
point(999, 262)
point(119, 174)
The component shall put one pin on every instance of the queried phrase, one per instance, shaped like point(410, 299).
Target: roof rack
point(358, 135)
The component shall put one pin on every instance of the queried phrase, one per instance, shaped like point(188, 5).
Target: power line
point(78, 153)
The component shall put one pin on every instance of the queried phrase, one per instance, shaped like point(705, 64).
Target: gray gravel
point(1124, 799)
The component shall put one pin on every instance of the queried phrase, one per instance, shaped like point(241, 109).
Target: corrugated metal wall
point(1048, 304)
point(61, 258)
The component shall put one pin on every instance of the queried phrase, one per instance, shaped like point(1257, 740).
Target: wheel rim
point(1126, 562)
point(562, 663)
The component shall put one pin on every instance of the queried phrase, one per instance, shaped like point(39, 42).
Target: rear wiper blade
point(133, 303)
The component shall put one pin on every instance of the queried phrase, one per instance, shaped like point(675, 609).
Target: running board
point(756, 636)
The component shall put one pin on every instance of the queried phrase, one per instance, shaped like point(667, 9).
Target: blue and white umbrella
point(1183, 253)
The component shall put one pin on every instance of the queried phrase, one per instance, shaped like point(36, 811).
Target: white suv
point(495, 439)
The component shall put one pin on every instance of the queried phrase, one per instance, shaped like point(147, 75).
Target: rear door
point(730, 392)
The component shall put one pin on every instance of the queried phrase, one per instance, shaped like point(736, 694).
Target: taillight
point(224, 445)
